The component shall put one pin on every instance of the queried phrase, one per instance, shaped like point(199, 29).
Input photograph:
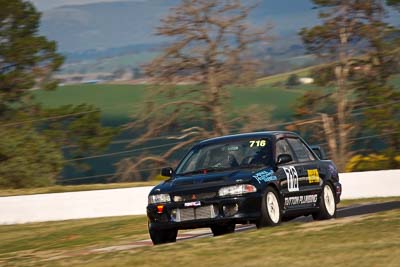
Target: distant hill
point(104, 25)
point(116, 24)
point(108, 36)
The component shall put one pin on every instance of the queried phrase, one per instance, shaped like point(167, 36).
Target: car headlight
point(159, 198)
point(237, 190)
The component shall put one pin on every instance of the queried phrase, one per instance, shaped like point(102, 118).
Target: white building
point(306, 80)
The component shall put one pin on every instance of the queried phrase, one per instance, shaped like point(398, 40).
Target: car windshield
point(229, 155)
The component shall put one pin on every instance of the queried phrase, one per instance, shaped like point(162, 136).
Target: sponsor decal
point(300, 200)
point(265, 176)
point(233, 148)
point(193, 204)
point(313, 176)
point(292, 178)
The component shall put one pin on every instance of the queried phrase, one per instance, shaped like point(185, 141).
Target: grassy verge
point(23, 243)
point(72, 188)
point(368, 240)
point(363, 241)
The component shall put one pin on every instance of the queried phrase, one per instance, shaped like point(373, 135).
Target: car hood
point(201, 181)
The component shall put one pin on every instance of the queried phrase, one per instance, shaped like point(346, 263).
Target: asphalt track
point(354, 210)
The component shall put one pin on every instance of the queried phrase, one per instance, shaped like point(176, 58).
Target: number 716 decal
point(258, 143)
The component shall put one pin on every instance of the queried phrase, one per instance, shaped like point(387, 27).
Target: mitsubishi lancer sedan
point(261, 178)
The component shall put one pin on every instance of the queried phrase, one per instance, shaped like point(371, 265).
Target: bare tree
point(341, 39)
point(210, 53)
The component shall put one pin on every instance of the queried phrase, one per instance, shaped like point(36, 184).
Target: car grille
point(199, 196)
point(189, 214)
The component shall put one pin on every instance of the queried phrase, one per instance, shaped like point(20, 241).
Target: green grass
point(38, 240)
point(371, 241)
point(281, 101)
point(368, 240)
point(117, 102)
point(72, 188)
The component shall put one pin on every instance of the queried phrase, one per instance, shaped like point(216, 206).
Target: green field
point(117, 102)
point(365, 240)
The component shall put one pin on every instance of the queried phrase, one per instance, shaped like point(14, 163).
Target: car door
point(290, 174)
point(310, 180)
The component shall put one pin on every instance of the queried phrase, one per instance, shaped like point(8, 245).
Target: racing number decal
point(292, 178)
point(261, 143)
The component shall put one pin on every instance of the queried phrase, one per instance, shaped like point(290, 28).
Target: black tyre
point(224, 229)
point(271, 209)
point(327, 204)
point(162, 236)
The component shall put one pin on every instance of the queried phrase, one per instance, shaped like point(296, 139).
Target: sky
point(49, 4)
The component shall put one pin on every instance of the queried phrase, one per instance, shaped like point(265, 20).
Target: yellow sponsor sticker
point(313, 176)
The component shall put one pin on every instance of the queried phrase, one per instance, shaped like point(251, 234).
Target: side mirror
point(167, 172)
point(284, 158)
point(319, 151)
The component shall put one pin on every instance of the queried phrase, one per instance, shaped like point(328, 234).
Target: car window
point(282, 147)
point(301, 151)
point(231, 154)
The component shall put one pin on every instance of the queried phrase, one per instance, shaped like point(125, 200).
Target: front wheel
point(271, 210)
point(163, 236)
point(327, 204)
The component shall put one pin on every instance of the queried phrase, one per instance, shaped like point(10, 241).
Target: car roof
point(275, 134)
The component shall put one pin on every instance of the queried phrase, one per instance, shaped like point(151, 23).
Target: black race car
point(261, 178)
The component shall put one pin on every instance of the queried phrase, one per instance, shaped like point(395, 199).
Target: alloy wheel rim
point(273, 207)
point(329, 200)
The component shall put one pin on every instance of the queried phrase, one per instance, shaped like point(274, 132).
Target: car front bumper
point(238, 209)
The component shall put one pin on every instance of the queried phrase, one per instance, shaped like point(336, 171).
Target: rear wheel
point(271, 210)
point(163, 236)
point(327, 204)
point(224, 229)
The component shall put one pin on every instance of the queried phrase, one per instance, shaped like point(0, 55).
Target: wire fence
point(123, 152)
point(354, 112)
point(110, 107)
point(153, 169)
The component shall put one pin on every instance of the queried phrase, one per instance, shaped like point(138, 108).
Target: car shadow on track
point(357, 210)
point(367, 209)
point(354, 210)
